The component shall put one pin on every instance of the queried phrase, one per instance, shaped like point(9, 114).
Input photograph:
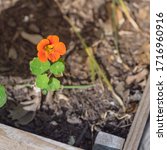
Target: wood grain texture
point(139, 122)
point(15, 139)
point(145, 140)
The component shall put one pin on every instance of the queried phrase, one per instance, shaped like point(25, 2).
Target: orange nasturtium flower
point(50, 49)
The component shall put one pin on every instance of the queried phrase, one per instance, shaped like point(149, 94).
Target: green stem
point(76, 86)
point(114, 24)
point(100, 71)
point(127, 14)
point(93, 60)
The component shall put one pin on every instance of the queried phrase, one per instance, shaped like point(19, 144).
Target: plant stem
point(100, 72)
point(126, 12)
point(76, 86)
point(112, 11)
point(114, 23)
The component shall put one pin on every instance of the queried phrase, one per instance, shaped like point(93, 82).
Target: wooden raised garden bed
point(12, 138)
point(89, 118)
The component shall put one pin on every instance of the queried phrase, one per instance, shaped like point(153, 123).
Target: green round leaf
point(37, 67)
point(54, 84)
point(57, 68)
point(44, 92)
point(42, 81)
point(3, 96)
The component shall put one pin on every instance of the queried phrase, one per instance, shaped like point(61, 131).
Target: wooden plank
point(139, 122)
point(145, 140)
point(15, 139)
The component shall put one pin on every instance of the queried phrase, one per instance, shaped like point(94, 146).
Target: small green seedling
point(48, 66)
point(3, 96)
point(47, 74)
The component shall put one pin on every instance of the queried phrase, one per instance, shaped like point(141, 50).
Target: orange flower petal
point(42, 55)
point(60, 48)
point(53, 57)
point(53, 39)
point(41, 45)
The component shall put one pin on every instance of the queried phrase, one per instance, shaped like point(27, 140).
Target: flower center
point(49, 48)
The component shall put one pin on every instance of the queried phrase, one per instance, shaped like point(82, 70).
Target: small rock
point(12, 53)
point(71, 140)
point(26, 19)
point(105, 141)
point(54, 123)
point(63, 97)
point(34, 28)
point(137, 96)
point(74, 120)
point(21, 116)
point(32, 38)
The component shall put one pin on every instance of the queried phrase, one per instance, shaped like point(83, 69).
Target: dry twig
point(89, 52)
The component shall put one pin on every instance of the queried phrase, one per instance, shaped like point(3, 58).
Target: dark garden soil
point(73, 116)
